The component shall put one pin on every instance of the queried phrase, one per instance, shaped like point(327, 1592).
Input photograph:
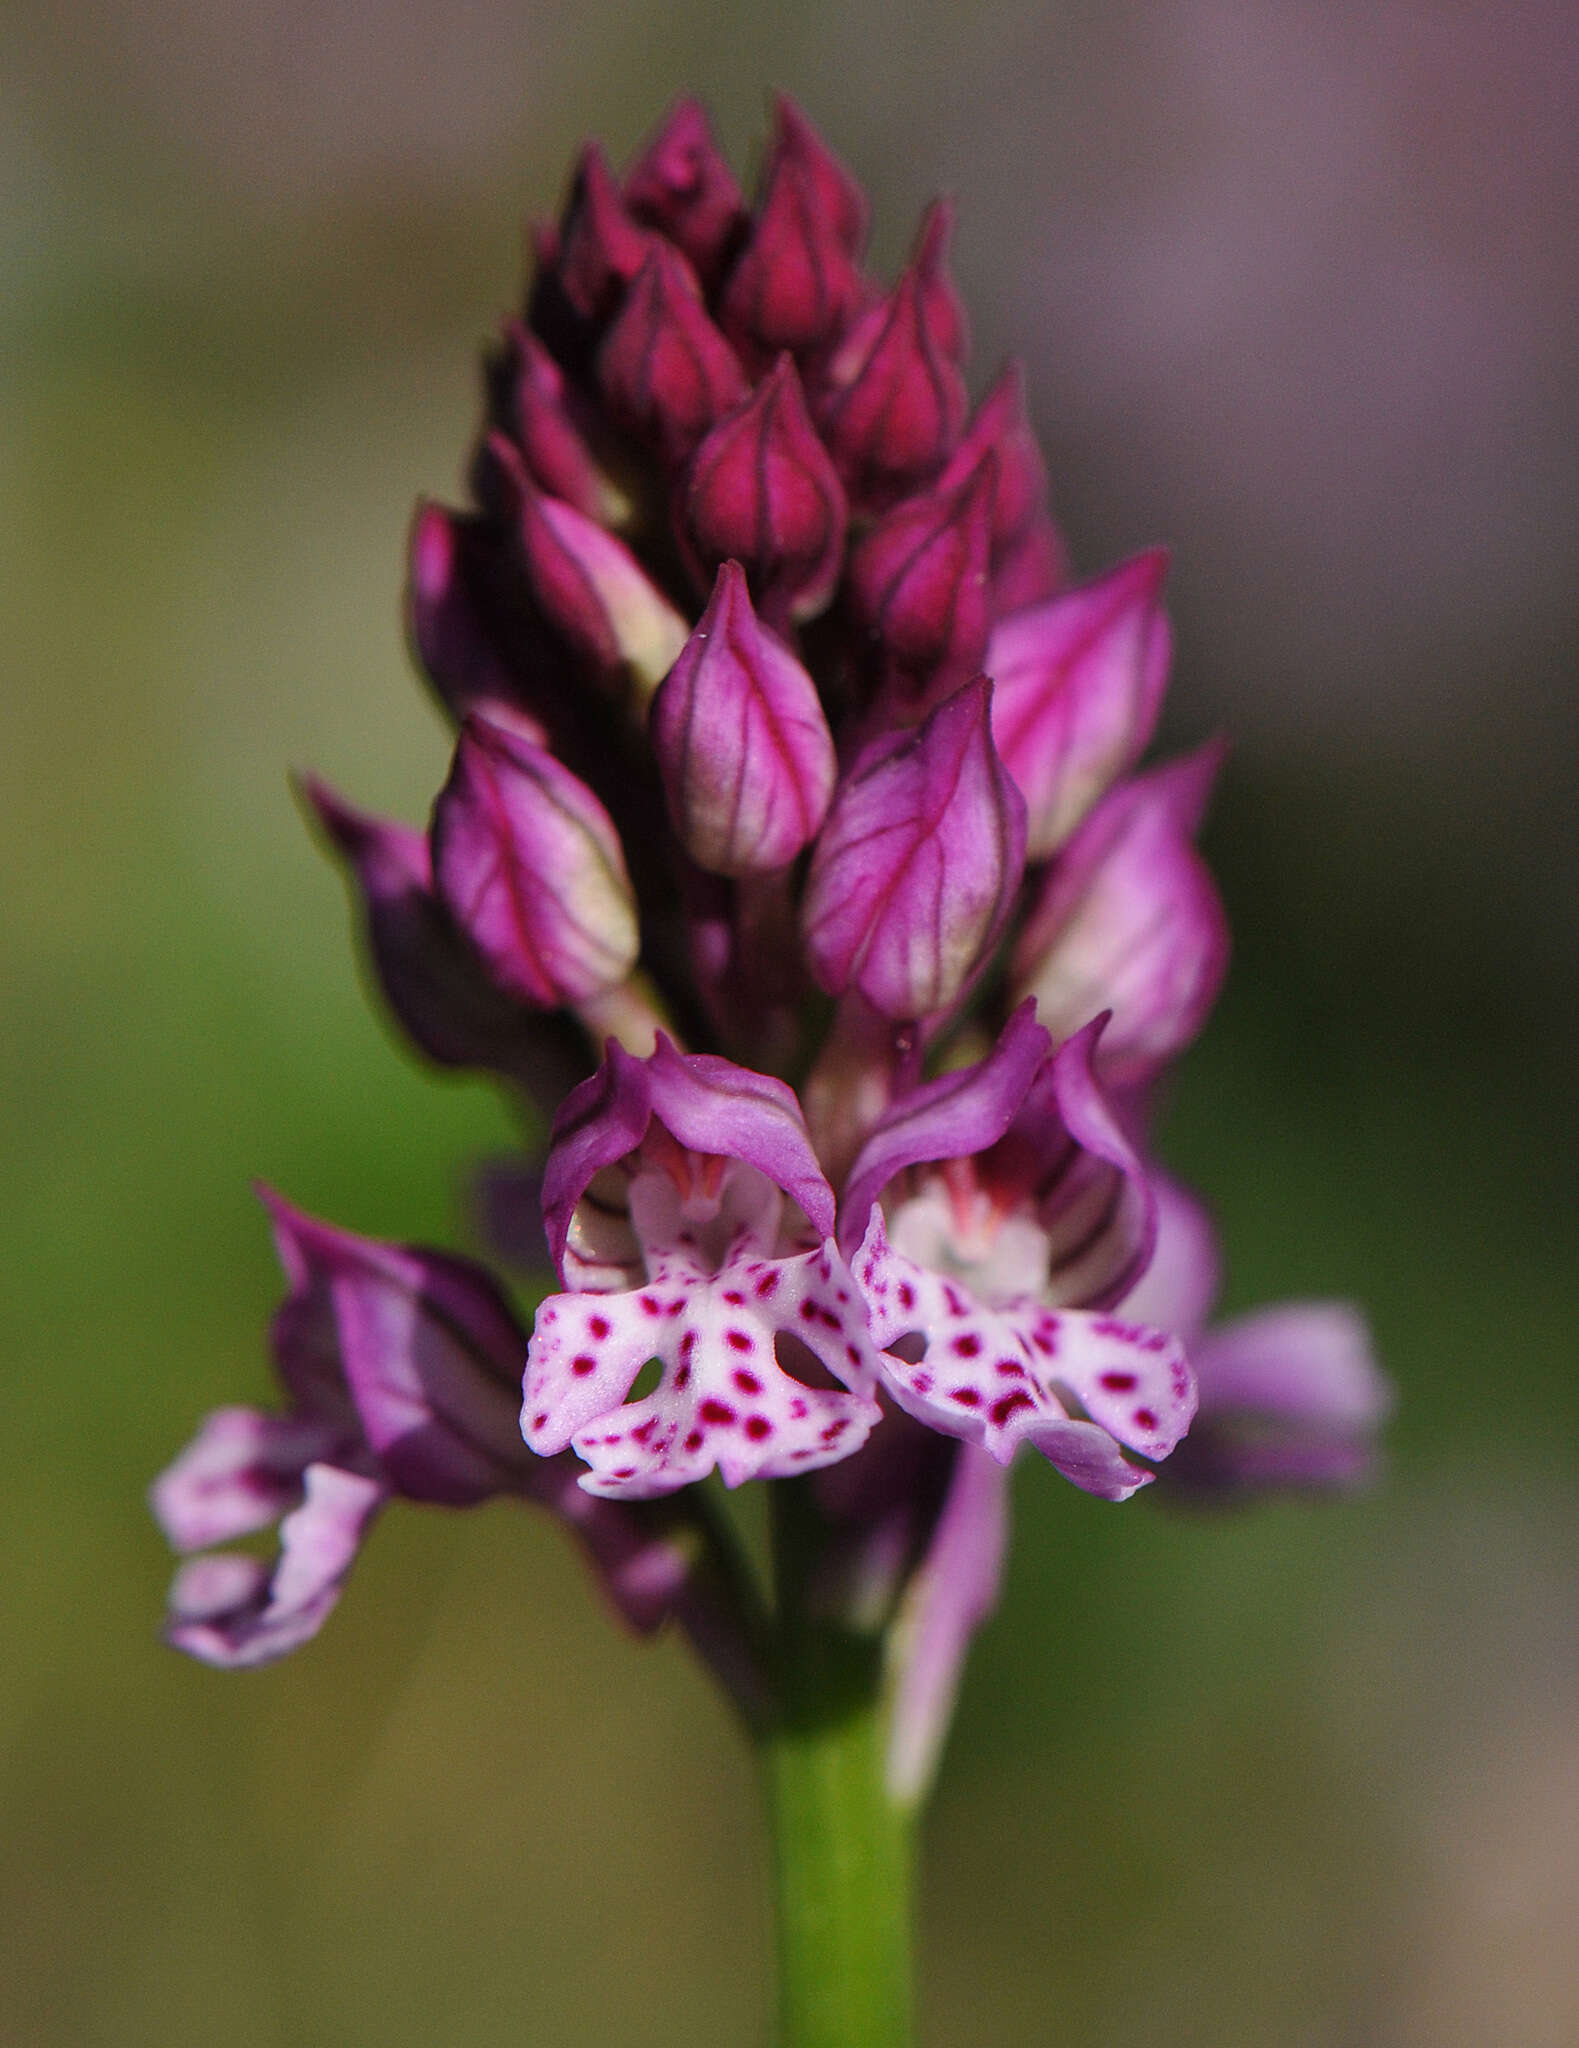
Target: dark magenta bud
point(763, 492)
point(915, 872)
point(666, 371)
point(431, 979)
point(589, 585)
point(742, 743)
point(798, 281)
point(1000, 426)
point(528, 863)
point(534, 403)
point(451, 625)
point(918, 583)
point(600, 247)
point(682, 187)
point(894, 401)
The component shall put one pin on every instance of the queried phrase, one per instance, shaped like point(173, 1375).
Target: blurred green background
point(1297, 289)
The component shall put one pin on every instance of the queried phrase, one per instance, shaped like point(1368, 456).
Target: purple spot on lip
point(967, 1397)
point(1119, 1382)
point(1001, 1410)
point(716, 1411)
point(1145, 1419)
point(737, 1340)
point(693, 1442)
point(758, 1427)
point(599, 1327)
point(583, 1365)
point(747, 1382)
point(966, 1346)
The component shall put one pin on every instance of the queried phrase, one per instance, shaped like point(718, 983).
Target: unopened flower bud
point(916, 868)
point(742, 743)
point(1129, 920)
point(683, 188)
point(1077, 686)
point(894, 400)
point(590, 586)
point(600, 246)
point(532, 400)
point(463, 639)
point(434, 983)
point(667, 372)
point(529, 864)
point(763, 492)
point(797, 280)
point(918, 583)
point(999, 426)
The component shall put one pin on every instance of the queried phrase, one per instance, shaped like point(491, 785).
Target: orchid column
point(793, 865)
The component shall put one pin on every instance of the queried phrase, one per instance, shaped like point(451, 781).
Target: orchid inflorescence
point(794, 857)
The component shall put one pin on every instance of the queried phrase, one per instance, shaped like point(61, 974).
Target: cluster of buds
point(796, 860)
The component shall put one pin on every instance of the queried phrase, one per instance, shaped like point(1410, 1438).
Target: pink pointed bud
point(601, 247)
point(529, 864)
point(742, 743)
point(1000, 426)
point(797, 281)
point(666, 371)
point(432, 980)
point(1129, 920)
point(916, 869)
point(589, 585)
point(683, 187)
point(1078, 683)
point(918, 582)
point(763, 492)
point(894, 401)
point(537, 407)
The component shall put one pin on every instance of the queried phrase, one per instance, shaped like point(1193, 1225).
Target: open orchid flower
point(694, 1181)
point(1018, 1215)
point(798, 863)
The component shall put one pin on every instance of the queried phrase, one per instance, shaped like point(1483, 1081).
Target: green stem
point(842, 1849)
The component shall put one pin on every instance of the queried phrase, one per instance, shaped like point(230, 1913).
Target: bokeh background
point(1299, 292)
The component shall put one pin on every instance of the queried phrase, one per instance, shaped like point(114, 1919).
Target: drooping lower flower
point(400, 1369)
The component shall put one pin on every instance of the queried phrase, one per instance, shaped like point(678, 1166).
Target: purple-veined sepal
point(915, 870)
point(1128, 920)
point(667, 373)
point(742, 743)
point(1077, 686)
point(1094, 1394)
point(529, 865)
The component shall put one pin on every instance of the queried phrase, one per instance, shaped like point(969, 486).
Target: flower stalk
point(843, 1846)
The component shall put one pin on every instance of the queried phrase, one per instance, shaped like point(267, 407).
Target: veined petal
point(239, 1474)
point(723, 1398)
point(232, 1610)
point(1077, 685)
point(1092, 1394)
point(1129, 920)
